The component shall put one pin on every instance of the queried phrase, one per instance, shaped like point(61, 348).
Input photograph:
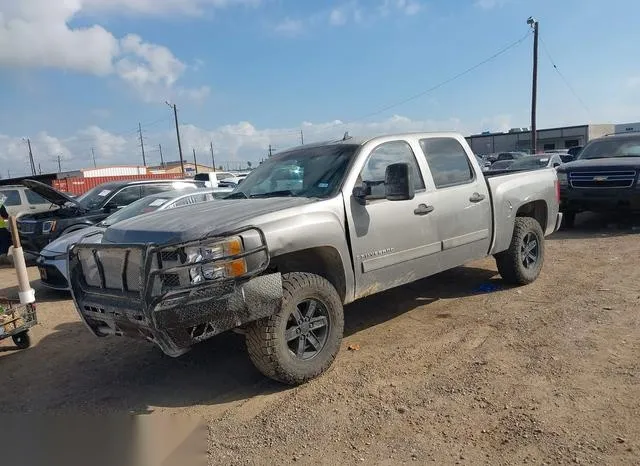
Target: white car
point(52, 260)
point(213, 179)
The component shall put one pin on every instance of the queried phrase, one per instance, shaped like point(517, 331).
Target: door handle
point(477, 197)
point(423, 209)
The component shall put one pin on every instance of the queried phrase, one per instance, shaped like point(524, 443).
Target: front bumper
point(34, 243)
point(131, 303)
point(53, 271)
point(599, 200)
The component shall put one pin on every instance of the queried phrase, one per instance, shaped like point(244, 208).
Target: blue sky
point(249, 73)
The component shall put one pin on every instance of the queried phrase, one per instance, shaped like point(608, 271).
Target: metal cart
point(15, 321)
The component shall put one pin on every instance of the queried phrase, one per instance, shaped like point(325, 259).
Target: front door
point(393, 242)
point(462, 202)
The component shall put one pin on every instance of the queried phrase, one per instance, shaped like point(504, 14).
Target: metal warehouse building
point(519, 139)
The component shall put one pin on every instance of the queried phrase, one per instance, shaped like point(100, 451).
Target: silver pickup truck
point(308, 231)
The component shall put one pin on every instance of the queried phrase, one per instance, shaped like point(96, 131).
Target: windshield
point(201, 177)
point(94, 198)
point(530, 162)
point(139, 207)
point(609, 148)
point(308, 172)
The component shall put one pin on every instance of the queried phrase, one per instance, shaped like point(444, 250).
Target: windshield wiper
point(283, 193)
point(236, 195)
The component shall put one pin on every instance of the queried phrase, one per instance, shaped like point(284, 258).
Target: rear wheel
point(21, 340)
point(301, 341)
point(522, 262)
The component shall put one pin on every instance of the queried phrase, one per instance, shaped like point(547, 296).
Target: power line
point(446, 81)
point(555, 67)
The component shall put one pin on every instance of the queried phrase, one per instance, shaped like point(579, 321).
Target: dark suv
point(38, 230)
point(603, 178)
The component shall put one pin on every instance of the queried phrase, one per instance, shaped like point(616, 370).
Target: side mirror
point(398, 183)
point(360, 194)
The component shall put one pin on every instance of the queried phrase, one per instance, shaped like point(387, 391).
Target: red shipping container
point(79, 185)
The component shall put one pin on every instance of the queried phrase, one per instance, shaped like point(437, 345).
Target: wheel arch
point(324, 261)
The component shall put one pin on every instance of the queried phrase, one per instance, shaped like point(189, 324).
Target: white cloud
point(289, 27)
point(338, 17)
point(407, 7)
point(633, 82)
point(235, 143)
point(358, 12)
point(489, 4)
point(164, 7)
point(37, 34)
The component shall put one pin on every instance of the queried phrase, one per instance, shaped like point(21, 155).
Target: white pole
point(26, 294)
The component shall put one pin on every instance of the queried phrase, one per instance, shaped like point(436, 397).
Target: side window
point(381, 157)
point(35, 198)
point(447, 161)
point(126, 196)
point(13, 197)
point(149, 189)
point(184, 201)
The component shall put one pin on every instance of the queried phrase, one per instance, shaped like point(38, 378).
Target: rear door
point(393, 242)
point(461, 201)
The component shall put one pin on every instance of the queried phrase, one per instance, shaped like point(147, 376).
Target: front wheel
point(522, 262)
point(302, 339)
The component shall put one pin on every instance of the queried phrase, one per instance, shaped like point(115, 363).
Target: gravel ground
point(445, 373)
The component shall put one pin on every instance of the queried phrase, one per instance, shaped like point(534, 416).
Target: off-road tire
point(21, 340)
point(510, 262)
point(568, 219)
point(265, 338)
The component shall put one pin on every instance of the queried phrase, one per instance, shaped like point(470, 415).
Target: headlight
point(209, 263)
point(563, 179)
point(49, 226)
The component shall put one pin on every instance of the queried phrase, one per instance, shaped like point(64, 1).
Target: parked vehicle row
point(309, 230)
point(52, 260)
point(39, 229)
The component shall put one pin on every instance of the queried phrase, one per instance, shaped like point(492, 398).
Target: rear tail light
point(557, 184)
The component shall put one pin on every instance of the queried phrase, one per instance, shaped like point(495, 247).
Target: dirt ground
point(455, 369)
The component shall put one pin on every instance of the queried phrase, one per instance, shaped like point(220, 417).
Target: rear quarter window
point(447, 161)
point(35, 198)
point(13, 197)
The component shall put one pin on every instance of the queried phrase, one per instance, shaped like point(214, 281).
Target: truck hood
point(61, 245)
point(610, 162)
point(193, 222)
point(50, 194)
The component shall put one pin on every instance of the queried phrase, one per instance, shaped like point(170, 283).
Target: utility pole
point(534, 88)
point(144, 160)
point(195, 161)
point(59, 163)
point(270, 151)
point(93, 156)
point(301, 137)
point(213, 158)
point(31, 164)
point(175, 117)
point(161, 159)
